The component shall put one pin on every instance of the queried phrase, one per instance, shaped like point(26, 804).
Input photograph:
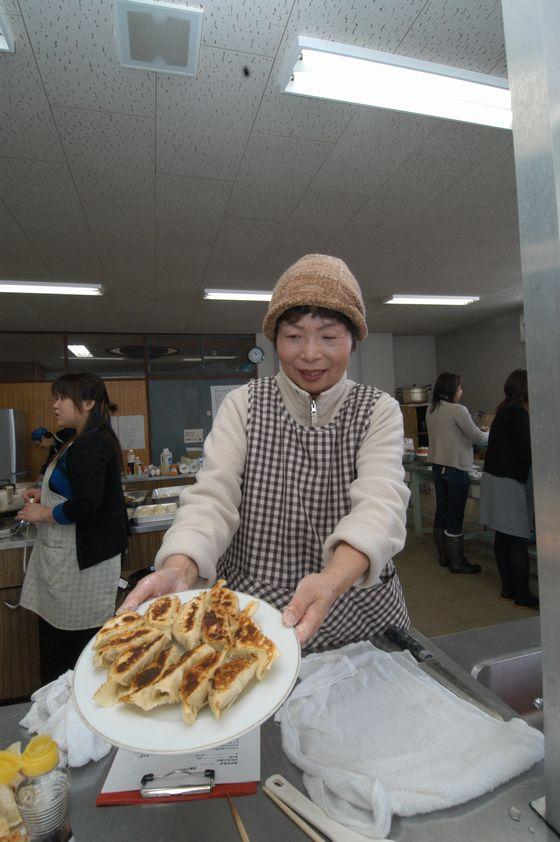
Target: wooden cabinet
point(161, 482)
point(142, 549)
point(20, 671)
point(414, 419)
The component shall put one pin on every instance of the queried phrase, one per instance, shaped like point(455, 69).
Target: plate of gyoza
point(187, 671)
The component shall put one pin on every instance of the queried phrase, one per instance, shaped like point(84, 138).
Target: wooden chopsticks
point(237, 819)
point(293, 816)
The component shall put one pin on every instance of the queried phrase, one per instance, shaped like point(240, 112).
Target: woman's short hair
point(445, 388)
point(294, 314)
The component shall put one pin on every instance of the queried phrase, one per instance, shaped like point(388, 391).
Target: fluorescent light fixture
point(237, 295)
point(6, 38)
point(210, 358)
point(159, 36)
point(50, 288)
point(442, 300)
point(80, 351)
point(344, 73)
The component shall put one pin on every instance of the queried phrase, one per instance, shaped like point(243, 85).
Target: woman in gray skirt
point(506, 498)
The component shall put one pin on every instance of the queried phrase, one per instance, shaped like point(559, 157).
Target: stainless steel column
point(532, 31)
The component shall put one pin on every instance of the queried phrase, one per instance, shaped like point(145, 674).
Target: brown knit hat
point(317, 280)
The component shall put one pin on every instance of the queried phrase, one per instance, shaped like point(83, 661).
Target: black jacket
point(97, 504)
point(509, 444)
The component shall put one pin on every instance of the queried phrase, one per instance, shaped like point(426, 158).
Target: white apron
point(54, 586)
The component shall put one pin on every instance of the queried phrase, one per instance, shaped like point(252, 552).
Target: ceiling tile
point(459, 33)
point(204, 123)
point(124, 231)
point(41, 194)
point(274, 174)
point(319, 215)
point(425, 179)
point(244, 240)
point(27, 128)
point(111, 156)
point(464, 141)
point(181, 259)
point(246, 26)
point(76, 51)
point(190, 207)
point(490, 183)
point(18, 258)
point(70, 255)
point(375, 143)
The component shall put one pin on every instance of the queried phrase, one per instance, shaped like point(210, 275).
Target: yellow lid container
point(40, 756)
point(10, 764)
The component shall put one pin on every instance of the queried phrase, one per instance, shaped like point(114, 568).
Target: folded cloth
point(376, 736)
point(53, 712)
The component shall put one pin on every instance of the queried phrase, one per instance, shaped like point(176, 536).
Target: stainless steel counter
point(17, 541)
point(485, 819)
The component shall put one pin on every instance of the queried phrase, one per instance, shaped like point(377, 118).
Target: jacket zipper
point(313, 411)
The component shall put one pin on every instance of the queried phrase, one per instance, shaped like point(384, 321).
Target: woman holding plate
point(301, 499)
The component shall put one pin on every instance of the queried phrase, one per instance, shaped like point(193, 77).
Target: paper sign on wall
point(130, 431)
point(193, 436)
point(218, 393)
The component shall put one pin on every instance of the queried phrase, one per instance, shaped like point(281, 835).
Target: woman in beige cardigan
point(301, 499)
point(451, 433)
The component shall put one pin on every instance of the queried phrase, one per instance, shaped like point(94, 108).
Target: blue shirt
point(60, 483)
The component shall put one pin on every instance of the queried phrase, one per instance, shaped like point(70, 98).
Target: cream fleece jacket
point(208, 513)
point(451, 434)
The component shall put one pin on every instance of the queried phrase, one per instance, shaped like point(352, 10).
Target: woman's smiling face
point(314, 352)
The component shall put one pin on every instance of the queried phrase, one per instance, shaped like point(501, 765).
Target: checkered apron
point(296, 488)
point(54, 586)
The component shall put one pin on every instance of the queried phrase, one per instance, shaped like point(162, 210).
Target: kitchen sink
point(516, 679)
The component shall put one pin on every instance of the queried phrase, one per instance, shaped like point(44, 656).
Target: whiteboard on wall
point(129, 430)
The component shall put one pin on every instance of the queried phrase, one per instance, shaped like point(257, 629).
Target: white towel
point(375, 736)
point(53, 712)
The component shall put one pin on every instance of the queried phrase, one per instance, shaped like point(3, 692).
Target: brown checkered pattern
point(296, 488)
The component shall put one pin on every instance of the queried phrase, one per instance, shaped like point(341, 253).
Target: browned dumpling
point(126, 621)
point(193, 690)
point(229, 681)
point(188, 622)
point(127, 665)
point(165, 690)
point(162, 611)
point(120, 642)
point(249, 640)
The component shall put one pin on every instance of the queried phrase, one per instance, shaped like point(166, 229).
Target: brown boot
point(454, 551)
point(438, 541)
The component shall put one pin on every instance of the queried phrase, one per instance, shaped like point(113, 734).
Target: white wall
point(415, 360)
point(375, 355)
point(269, 365)
point(484, 355)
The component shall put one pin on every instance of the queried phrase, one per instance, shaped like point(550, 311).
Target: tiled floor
point(442, 603)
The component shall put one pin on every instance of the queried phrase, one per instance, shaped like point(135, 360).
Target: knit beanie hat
point(317, 280)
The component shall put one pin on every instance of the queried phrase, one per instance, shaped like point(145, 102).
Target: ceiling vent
point(6, 40)
point(159, 36)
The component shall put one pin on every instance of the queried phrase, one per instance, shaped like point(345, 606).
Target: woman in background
point(74, 568)
point(506, 498)
point(452, 433)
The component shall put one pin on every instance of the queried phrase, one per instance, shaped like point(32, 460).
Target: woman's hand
point(35, 513)
point(32, 495)
point(178, 573)
point(316, 592)
point(310, 605)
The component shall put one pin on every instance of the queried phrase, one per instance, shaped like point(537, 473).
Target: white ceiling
point(159, 185)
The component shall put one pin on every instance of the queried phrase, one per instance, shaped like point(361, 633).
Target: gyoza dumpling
point(249, 640)
point(161, 612)
point(216, 629)
point(117, 643)
point(222, 600)
point(193, 690)
point(188, 622)
point(121, 622)
point(165, 690)
point(229, 681)
point(150, 674)
point(127, 665)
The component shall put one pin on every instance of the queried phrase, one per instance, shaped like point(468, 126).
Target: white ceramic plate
point(162, 730)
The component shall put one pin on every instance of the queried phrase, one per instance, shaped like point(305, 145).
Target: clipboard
point(229, 770)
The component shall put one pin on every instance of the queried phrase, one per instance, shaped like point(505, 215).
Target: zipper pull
point(313, 409)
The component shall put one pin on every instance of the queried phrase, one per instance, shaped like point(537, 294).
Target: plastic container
point(130, 461)
point(42, 796)
point(10, 764)
point(165, 460)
